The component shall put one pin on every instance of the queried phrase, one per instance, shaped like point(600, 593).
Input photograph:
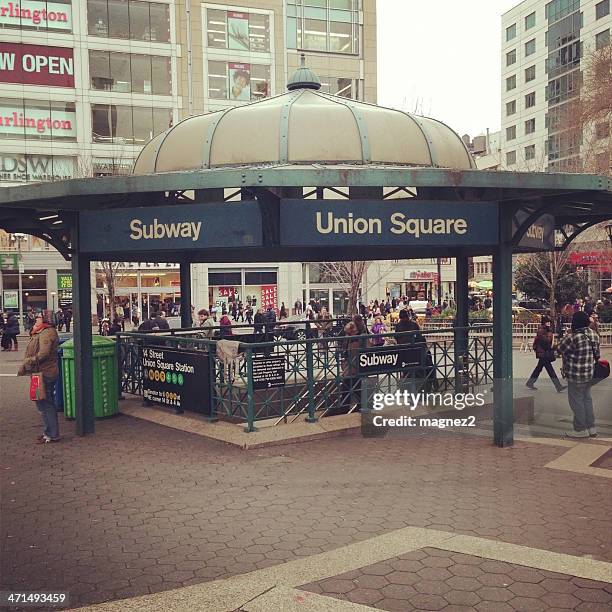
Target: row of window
point(529, 22)
point(528, 154)
point(130, 72)
point(530, 102)
point(42, 120)
point(530, 49)
point(557, 9)
point(530, 126)
point(129, 19)
point(238, 30)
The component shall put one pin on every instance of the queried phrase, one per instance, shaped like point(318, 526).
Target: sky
point(441, 58)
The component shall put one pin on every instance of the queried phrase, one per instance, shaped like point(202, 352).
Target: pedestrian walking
point(225, 329)
point(11, 331)
point(68, 319)
point(41, 357)
point(283, 311)
point(545, 354)
point(206, 323)
point(259, 321)
point(580, 350)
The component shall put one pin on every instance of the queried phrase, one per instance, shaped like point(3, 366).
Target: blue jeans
point(48, 410)
point(581, 403)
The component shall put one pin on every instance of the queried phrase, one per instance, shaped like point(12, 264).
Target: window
point(323, 25)
point(563, 59)
point(238, 30)
point(511, 82)
point(260, 278)
point(113, 123)
point(530, 47)
point(55, 16)
point(510, 108)
point(557, 9)
point(340, 86)
point(238, 81)
point(511, 57)
point(122, 72)
point(511, 132)
point(129, 19)
point(602, 130)
point(530, 73)
point(530, 21)
point(37, 120)
point(510, 158)
point(602, 39)
point(511, 32)
point(530, 152)
point(530, 126)
point(530, 99)
point(563, 88)
point(602, 9)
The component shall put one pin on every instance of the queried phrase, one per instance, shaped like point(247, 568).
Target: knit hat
point(580, 319)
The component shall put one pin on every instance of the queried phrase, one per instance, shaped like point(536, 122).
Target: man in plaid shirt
point(580, 350)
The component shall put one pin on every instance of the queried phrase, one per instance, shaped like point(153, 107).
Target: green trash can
point(105, 382)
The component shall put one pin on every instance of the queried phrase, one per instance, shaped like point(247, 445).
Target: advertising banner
point(172, 228)
point(392, 223)
point(269, 296)
point(178, 379)
point(37, 121)
point(238, 30)
point(10, 299)
point(64, 280)
point(36, 65)
point(36, 14)
point(9, 261)
point(22, 168)
point(240, 81)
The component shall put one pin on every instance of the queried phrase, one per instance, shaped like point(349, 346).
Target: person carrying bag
point(40, 363)
point(545, 354)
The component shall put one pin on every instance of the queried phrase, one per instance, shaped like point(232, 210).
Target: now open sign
point(36, 65)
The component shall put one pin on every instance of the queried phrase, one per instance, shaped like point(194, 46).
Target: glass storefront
point(34, 288)
point(114, 123)
point(258, 288)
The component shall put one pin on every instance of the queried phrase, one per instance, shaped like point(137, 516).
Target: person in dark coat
point(68, 319)
point(225, 327)
point(11, 331)
point(543, 348)
point(161, 321)
point(259, 322)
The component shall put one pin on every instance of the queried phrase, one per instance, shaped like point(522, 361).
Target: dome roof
point(304, 126)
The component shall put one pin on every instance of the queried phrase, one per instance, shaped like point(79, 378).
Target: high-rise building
point(545, 47)
point(86, 83)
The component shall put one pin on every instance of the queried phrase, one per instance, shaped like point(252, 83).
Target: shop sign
point(269, 296)
point(419, 275)
point(387, 223)
point(9, 261)
point(395, 359)
point(268, 372)
point(172, 228)
point(178, 379)
point(10, 299)
point(22, 168)
point(64, 281)
point(33, 14)
point(13, 120)
point(36, 65)
point(595, 260)
point(227, 291)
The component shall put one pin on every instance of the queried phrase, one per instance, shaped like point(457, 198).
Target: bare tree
point(348, 275)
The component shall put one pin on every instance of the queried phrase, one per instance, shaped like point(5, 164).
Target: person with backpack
point(545, 354)
point(580, 350)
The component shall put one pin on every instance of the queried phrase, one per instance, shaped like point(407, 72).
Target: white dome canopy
point(304, 126)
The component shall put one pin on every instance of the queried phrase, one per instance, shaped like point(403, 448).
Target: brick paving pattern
point(141, 508)
point(432, 579)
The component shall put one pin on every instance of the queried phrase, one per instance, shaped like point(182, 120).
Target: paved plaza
point(429, 520)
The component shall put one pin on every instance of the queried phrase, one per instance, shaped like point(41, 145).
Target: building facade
point(86, 83)
point(545, 48)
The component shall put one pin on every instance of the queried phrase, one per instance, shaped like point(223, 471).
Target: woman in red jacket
point(543, 347)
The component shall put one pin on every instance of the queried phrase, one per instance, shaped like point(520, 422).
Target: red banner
point(36, 65)
point(599, 260)
point(269, 296)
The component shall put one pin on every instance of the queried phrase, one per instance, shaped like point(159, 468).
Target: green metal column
point(83, 362)
point(462, 318)
point(185, 278)
point(503, 412)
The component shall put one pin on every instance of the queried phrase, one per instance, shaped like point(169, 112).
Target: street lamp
point(53, 300)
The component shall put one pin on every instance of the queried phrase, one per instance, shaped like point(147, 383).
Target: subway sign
point(387, 223)
point(36, 65)
point(172, 228)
